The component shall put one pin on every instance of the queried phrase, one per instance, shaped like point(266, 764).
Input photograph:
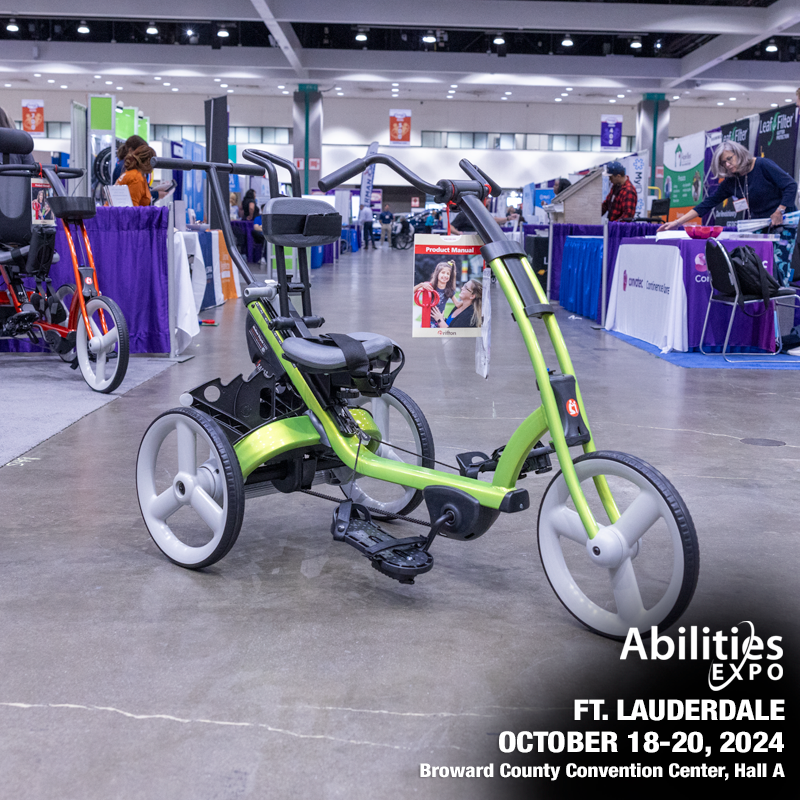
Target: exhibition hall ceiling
point(739, 51)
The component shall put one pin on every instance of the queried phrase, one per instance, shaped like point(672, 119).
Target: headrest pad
point(14, 142)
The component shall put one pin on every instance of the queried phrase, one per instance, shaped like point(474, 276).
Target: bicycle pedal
point(401, 559)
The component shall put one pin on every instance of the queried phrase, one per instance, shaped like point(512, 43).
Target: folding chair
point(725, 290)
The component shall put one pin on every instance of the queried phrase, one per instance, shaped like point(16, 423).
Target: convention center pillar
point(216, 143)
point(652, 130)
point(307, 135)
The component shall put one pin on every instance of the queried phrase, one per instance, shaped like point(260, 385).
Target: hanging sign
point(33, 117)
point(447, 299)
point(400, 126)
point(777, 137)
point(611, 132)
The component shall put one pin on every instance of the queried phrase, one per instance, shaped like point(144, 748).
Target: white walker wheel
point(401, 423)
point(640, 572)
point(190, 487)
point(103, 359)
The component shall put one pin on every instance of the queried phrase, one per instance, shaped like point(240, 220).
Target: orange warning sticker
point(572, 408)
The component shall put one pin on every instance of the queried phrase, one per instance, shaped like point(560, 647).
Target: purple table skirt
point(244, 227)
point(747, 332)
point(130, 254)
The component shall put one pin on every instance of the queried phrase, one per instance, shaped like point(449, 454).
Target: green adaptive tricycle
point(322, 409)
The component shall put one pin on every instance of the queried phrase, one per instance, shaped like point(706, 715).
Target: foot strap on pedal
point(401, 559)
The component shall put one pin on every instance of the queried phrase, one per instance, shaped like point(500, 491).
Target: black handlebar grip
point(247, 169)
point(342, 174)
point(171, 163)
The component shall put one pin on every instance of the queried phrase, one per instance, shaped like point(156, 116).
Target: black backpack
point(753, 279)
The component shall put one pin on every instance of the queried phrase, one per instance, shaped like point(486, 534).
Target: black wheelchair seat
point(327, 358)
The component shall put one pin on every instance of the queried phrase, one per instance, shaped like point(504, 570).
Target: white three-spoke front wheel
point(190, 486)
point(103, 358)
point(639, 572)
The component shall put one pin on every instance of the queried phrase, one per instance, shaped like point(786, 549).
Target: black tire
point(655, 530)
point(215, 487)
point(62, 293)
point(415, 434)
point(93, 364)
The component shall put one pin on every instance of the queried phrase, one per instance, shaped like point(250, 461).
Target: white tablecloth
point(648, 298)
point(187, 287)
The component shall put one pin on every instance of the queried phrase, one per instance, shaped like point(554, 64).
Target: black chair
point(726, 291)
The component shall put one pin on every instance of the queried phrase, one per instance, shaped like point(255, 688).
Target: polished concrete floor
point(293, 669)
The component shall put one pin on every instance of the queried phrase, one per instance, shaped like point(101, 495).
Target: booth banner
point(228, 274)
point(528, 192)
point(194, 182)
point(33, 117)
point(448, 286)
point(684, 163)
point(611, 132)
point(400, 126)
point(367, 178)
point(777, 137)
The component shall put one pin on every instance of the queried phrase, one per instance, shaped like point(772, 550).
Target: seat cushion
point(317, 357)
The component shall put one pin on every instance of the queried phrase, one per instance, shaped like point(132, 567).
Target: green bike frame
point(282, 436)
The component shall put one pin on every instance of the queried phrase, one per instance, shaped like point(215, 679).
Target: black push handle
point(476, 173)
point(26, 170)
point(185, 164)
point(262, 156)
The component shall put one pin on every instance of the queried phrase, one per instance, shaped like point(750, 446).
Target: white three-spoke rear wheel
point(103, 358)
point(639, 572)
point(402, 425)
point(190, 487)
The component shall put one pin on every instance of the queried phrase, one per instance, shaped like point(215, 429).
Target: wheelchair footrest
point(401, 559)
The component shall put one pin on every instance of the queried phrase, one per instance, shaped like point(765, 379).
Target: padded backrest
point(14, 142)
point(720, 269)
point(299, 222)
point(16, 218)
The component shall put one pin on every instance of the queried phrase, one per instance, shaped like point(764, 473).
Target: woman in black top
point(763, 189)
point(249, 205)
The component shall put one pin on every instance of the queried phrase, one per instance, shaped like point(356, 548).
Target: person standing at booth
point(620, 203)
point(137, 167)
point(365, 221)
point(759, 187)
point(386, 218)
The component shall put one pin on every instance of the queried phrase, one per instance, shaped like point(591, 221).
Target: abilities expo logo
point(739, 655)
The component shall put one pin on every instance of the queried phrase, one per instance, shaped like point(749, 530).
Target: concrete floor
point(292, 668)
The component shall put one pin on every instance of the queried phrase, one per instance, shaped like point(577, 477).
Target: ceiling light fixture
point(636, 43)
point(569, 88)
point(223, 86)
point(506, 92)
point(564, 94)
point(612, 100)
point(83, 27)
point(164, 84)
point(621, 96)
point(158, 78)
point(108, 83)
point(151, 29)
point(498, 39)
point(559, 100)
point(286, 91)
point(50, 80)
point(223, 33)
point(773, 105)
point(429, 38)
point(395, 84)
point(361, 35)
point(119, 88)
point(567, 41)
point(174, 88)
point(732, 98)
point(63, 85)
point(12, 26)
point(280, 87)
point(39, 75)
point(720, 103)
point(771, 46)
point(189, 32)
point(676, 97)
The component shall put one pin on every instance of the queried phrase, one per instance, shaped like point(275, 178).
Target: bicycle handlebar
point(185, 164)
point(443, 191)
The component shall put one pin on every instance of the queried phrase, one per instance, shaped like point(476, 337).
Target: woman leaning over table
point(761, 187)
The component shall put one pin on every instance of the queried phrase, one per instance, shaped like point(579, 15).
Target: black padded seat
point(327, 358)
point(73, 207)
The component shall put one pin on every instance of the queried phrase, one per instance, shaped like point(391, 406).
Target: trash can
point(316, 257)
point(353, 240)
